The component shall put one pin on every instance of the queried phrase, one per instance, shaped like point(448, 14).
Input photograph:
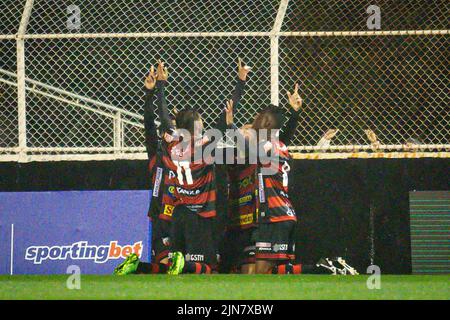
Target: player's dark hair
point(186, 118)
point(271, 117)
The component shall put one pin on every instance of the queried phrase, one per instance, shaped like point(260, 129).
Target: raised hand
point(373, 139)
point(229, 112)
point(243, 70)
point(161, 72)
point(294, 99)
point(150, 80)
point(330, 134)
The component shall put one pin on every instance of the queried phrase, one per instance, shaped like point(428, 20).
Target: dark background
point(334, 200)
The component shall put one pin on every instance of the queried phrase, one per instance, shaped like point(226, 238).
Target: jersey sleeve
point(288, 131)
point(151, 137)
point(163, 112)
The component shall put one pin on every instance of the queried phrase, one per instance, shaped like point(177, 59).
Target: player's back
point(273, 181)
point(195, 181)
point(241, 195)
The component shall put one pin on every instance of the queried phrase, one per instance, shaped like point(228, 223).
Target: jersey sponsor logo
point(280, 247)
point(245, 200)
point(194, 207)
point(244, 183)
point(262, 198)
point(263, 245)
point(171, 191)
point(82, 251)
point(158, 178)
point(194, 257)
point(246, 219)
point(188, 192)
point(168, 210)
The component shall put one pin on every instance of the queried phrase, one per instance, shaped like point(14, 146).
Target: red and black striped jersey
point(274, 204)
point(242, 196)
point(195, 180)
point(163, 188)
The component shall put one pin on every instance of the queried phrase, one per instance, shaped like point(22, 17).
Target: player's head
point(190, 120)
point(270, 118)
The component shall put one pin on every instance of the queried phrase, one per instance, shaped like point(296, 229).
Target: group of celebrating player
point(188, 191)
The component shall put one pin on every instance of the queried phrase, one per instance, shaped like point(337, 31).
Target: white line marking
point(12, 249)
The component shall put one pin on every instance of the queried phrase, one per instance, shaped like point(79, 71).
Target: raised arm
point(290, 127)
point(239, 89)
point(151, 138)
point(163, 111)
point(237, 94)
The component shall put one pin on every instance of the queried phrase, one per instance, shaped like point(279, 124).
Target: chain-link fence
point(71, 73)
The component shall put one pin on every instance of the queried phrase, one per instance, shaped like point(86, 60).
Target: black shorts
point(238, 249)
point(193, 235)
point(275, 241)
point(160, 239)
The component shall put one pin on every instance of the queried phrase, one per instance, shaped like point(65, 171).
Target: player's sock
point(298, 269)
point(288, 268)
point(151, 268)
point(196, 267)
point(313, 269)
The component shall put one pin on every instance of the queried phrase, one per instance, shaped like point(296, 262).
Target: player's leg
point(160, 249)
point(228, 251)
point(274, 248)
point(247, 251)
point(276, 252)
point(200, 252)
point(160, 241)
point(177, 237)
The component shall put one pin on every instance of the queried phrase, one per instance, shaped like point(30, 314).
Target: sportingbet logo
point(82, 251)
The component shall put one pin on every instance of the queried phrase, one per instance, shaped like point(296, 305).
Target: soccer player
point(276, 223)
point(193, 242)
point(162, 201)
point(240, 235)
point(237, 250)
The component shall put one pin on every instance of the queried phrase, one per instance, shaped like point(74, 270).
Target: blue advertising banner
point(46, 232)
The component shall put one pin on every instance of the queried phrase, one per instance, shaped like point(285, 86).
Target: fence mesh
point(84, 85)
point(8, 97)
point(351, 15)
point(395, 86)
point(10, 14)
point(124, 16)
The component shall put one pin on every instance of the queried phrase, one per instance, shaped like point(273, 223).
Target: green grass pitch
point(225, 287)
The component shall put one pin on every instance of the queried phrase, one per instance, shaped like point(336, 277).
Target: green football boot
point(177, 264)
point(128, 266)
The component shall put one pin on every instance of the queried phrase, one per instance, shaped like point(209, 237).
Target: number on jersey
point(184, 172)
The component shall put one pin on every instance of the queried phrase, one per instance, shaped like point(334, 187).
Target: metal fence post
point(274, 53)
point(21, 93)
point(118, 132)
